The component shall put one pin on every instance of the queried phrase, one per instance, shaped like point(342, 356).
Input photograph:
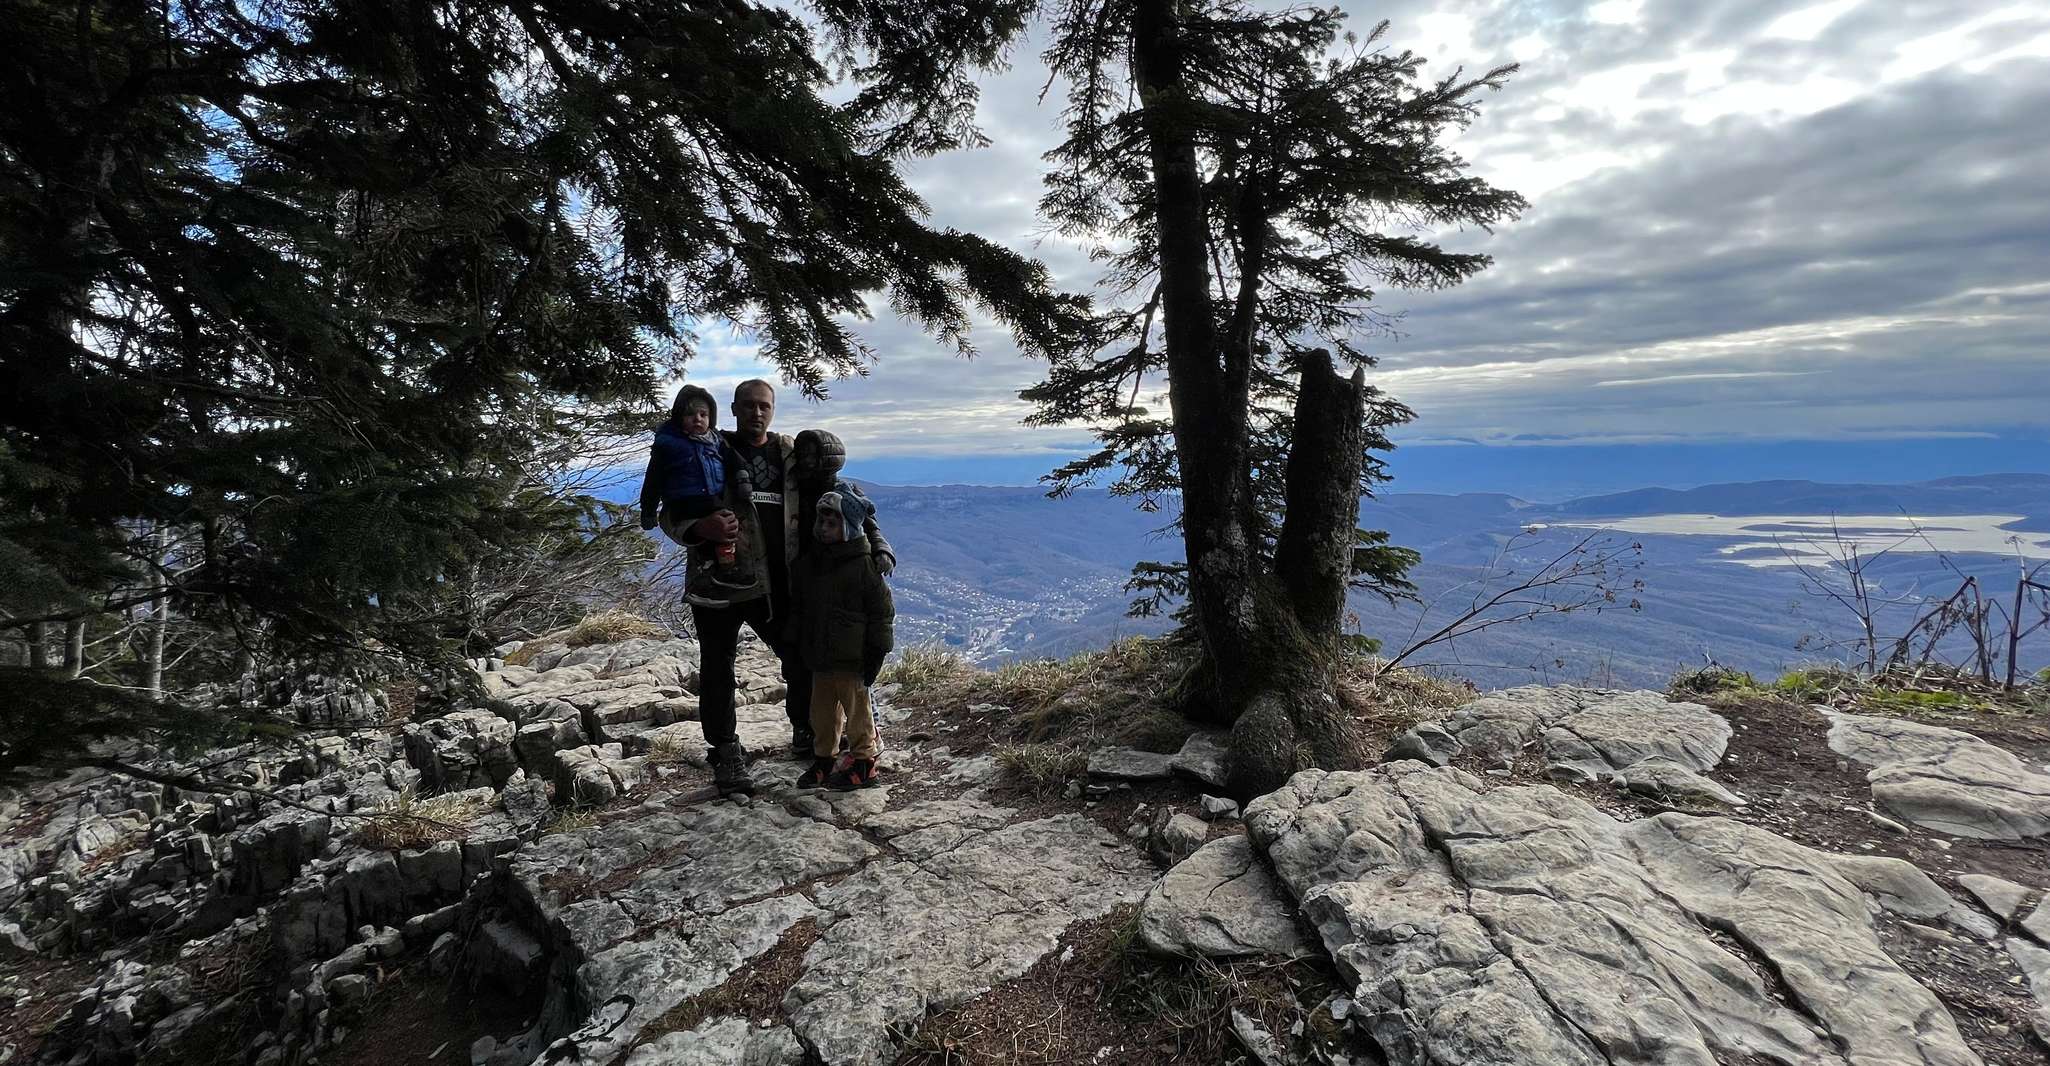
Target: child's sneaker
point(699, 599)
point(816, 777)
point(704, 590)
point(858, 773)
point(732, 577)
point(847, 747)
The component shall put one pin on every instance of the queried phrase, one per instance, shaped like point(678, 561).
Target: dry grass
point(611, 627)
point(921, 667)
point(1121, 694)
point(1041, 768)
point(1929, 690)
point(1103, 999)
point(666, 750)
point(1130, 694)
point(1392, 700)
point(573, 820)
point(605, 627)
point(409, 821)
point(526, 653)
point(1708, 681)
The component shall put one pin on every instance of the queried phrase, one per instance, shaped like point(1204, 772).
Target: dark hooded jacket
point(842, 614)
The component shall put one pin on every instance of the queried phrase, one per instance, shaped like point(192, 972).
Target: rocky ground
point(1547, 875)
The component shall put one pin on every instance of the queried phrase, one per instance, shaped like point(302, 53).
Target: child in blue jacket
point(692, 472)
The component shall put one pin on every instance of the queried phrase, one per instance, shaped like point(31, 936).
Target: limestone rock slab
point(464, 749)
point(1130, 764)
point(1945, 779)
point(2002, 898)
point(597, 773)
point(1175, 836)
point(1524, 925)
point(1220, 902)
point(1638, 740)
point(2035, 966)
point(693, 859)
point(722, 1042)
point(1205, 756)
point(638, 981)
point(914, 936)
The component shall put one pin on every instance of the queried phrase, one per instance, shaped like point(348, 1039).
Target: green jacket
point(841, 609)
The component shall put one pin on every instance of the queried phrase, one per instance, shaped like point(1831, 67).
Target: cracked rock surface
point(1523, 925)
point(1945, 779)
point(940, 901)
point(1637, 740)
point(1490, 919)
point(1221, 902)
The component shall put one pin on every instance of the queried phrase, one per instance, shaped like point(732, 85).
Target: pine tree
point(1259, 192)
point(309, 280)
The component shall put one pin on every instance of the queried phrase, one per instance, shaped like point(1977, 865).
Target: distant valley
point(1005, 573)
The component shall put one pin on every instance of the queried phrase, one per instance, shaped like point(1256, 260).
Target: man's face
point(752, 411)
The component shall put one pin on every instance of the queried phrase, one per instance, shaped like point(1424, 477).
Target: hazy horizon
point(1552, 473)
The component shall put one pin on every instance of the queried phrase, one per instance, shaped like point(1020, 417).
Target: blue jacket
point(679, 467)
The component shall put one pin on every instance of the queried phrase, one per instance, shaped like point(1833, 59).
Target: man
point(778, 506)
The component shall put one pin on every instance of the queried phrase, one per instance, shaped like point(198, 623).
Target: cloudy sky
point(1767, 239)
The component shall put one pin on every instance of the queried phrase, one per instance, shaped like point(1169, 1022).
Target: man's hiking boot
point(821, 769)
point(858, 773)
point(729, 769)
point(801, 742)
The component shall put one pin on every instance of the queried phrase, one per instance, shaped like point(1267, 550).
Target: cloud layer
point(1749, 222)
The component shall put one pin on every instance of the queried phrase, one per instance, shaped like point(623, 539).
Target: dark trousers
point(719, 640)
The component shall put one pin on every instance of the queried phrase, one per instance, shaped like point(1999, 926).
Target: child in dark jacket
point(691, 473)
point(845, 624)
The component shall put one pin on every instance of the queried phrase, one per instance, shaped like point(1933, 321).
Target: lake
point(1782, 540)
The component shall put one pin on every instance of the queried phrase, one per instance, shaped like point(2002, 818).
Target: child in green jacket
point(845, 625)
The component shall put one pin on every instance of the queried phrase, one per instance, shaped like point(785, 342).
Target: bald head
point(754, 407)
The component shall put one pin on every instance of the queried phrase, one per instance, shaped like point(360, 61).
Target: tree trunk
point(159, 621)
point(39, 645)
point(1266, 640)
point(1298, 722)
point(74, 649)
point(1313, 558)
point(153, 661)
point(1210, 417)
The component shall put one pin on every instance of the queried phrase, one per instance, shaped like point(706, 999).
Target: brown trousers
point(839, 698)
